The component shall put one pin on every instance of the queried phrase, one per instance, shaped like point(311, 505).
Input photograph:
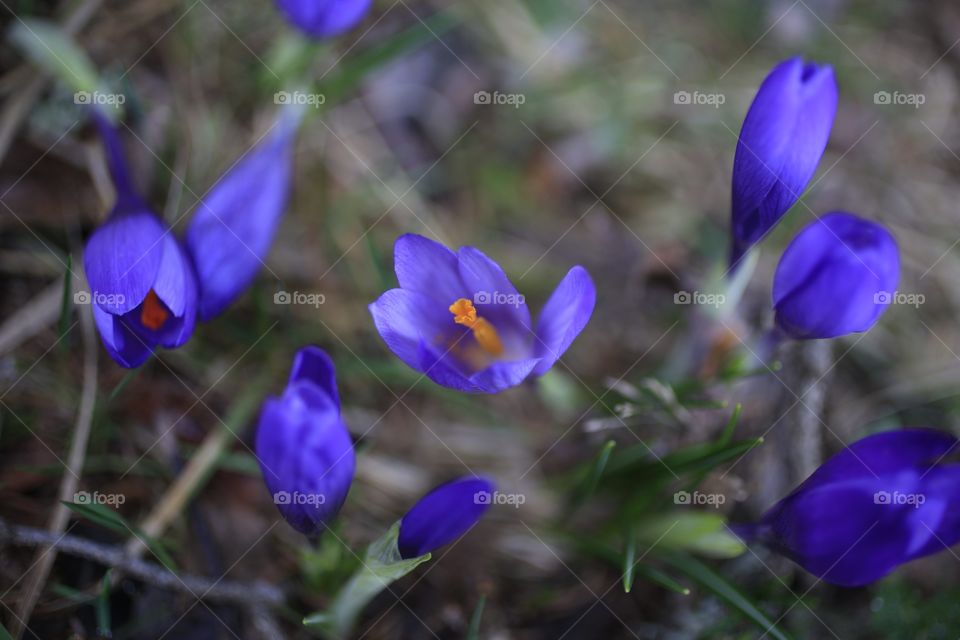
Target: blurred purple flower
point(324, 18)
point(142, 285)
point(443, 515)
point(458, 319)
point(836, 277)
point(883, 501)
point(303, 446)
point(782, 140)
point(234, 225)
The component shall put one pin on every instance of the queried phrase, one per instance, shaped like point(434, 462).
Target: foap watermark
point(98, 98)
point(512, 99)
point(497, 297)
point(897, 297)
point(699, 98)
point(513, 499)
point(699, 298)
point(97, 298)
point(897, 498)
point(899, 99)
point(699, 499)
point(296, 497)
point(110, 499)
point(299, 97)
point(299, 297)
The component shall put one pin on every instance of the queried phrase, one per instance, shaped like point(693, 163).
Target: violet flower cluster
point(147, 287)
point(840, 272)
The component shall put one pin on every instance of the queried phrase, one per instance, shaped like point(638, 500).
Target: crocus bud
point(443, 515)
point(234, 225)
point(303, 446)
point(781, 142)
point(324, 18)
point(885, 500)
point(836, 277)
point(142, 285)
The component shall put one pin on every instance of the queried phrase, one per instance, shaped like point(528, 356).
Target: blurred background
point(546, 134)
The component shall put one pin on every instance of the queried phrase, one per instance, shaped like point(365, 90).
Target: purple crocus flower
point(458, 319)
point(142, 285)
point(780, 145)
point(836, 277)
point(885, 500)
point(303, 446)
point(234, 225)
point(443, 515)
point(324, 18)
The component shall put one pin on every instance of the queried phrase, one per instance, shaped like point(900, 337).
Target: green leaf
point(659, 577)
point(716, 583)
point(52, 50)
point(110, 519)
point(629, 562)
point(381, 566)
point(473, 632)
point(103, 607)
point(697, 531)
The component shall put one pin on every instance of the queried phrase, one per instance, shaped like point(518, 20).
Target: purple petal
point(564, 316)
point(782, 140)
point(496, 300)
point(836, 277)
point(428, 267)
point(324, 18)
point(841, 533)
point(443, 515)
point(122, 259)
point(404, 319)
point(503, 375)
point(888, 452)
point(306, 456)
point(234, 225)
point(176, 287)
point(312, 364)
point(126, 348)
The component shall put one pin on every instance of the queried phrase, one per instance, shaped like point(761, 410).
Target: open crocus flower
point(443, 515)
point(782, 140)
point(142, 284)
point(303, 446)
point(836, 277)
point(324, 18)
point(885, 500)
point(458, 319)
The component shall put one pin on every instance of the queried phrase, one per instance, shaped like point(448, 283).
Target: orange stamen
point(465, 314)
point(154, 314)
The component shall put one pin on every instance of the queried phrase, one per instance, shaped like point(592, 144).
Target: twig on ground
point(255, 594)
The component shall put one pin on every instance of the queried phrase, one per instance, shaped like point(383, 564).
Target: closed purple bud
point(836, 277)
point(142, 284)
point(324, 18)
point(443, 515)
point(234, 225)
point(303, 446)
point(885, 500)
point(782, 140)
point(458, 319)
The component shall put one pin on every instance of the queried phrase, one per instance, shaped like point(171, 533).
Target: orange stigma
point(154, 314)
point(465, 314)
